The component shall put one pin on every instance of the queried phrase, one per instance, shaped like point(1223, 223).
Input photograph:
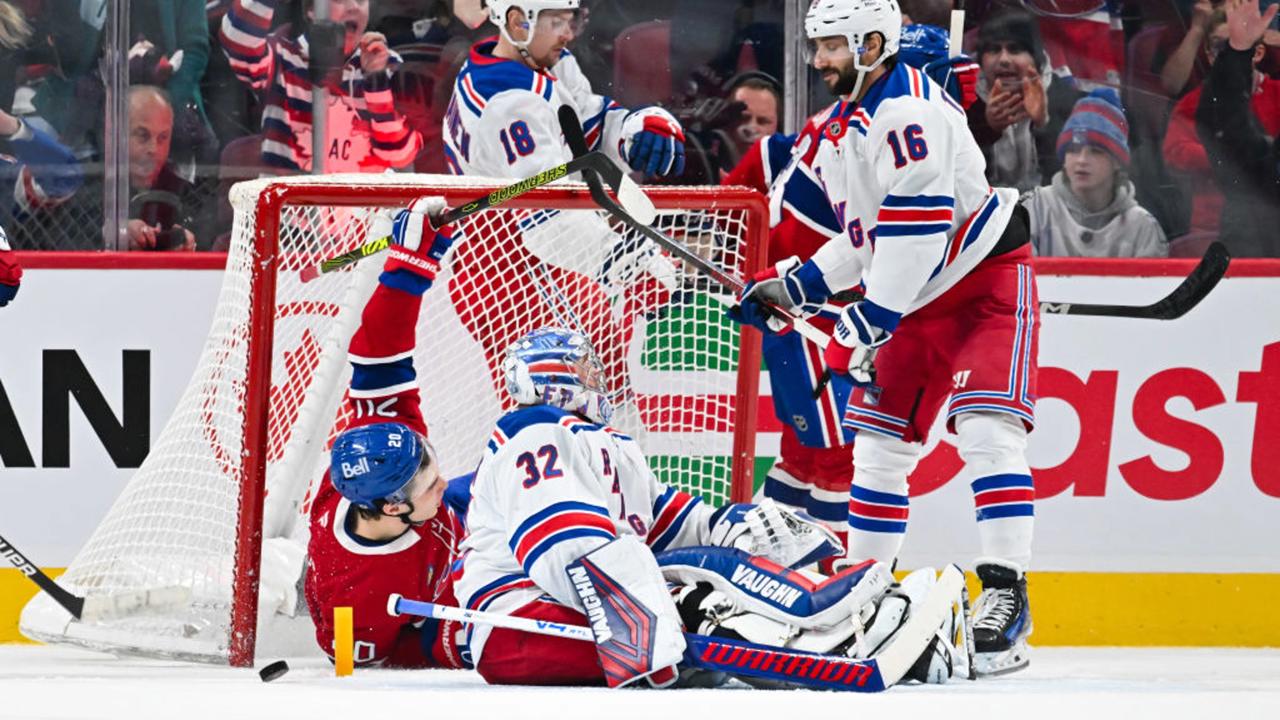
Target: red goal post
point(238, 457)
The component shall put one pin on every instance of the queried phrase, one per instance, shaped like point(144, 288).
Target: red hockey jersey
point(346, 570)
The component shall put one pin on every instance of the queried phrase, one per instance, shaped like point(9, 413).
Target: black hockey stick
point(96, 608)
point(1187, 295)
point(574, 137)
point(73, 603)
point(596, 162)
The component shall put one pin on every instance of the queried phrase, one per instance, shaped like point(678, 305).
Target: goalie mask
point(558, 367)
point(855, 21)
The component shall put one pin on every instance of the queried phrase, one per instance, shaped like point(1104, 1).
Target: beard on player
point(840, 79)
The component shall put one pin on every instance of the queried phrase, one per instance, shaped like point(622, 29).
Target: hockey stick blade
point(826, 672)
point(630, 196)
point(1194, 288)
point(97, 608)
point(596, 161)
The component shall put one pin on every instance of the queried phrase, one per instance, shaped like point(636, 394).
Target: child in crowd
point(1089, 209)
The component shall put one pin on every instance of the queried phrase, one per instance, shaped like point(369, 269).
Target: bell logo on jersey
point(591, 603)
point(356, 469)
point(764, 587)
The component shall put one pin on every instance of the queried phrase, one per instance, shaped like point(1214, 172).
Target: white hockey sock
point(993, 446)
point(878, 497)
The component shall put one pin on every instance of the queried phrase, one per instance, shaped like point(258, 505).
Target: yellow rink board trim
point(1126, 609)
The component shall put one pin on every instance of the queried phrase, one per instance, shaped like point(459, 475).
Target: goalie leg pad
point(630, 611)
point(763, 587)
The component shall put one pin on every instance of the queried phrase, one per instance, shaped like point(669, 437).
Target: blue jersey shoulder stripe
point(521, 418)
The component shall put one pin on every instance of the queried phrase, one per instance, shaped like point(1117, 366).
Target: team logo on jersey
point(800, 422)
point(871, 396)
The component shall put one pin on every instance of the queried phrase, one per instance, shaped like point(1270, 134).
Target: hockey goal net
point(219, 506)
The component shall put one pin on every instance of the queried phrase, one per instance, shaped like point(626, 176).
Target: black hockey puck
point(273, 671)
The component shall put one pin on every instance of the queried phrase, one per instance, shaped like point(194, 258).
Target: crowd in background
point(1112, 118)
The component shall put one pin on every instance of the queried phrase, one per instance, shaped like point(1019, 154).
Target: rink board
point(1156, 486)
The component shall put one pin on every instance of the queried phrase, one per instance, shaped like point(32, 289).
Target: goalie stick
point(628, 193)
point(96, 608)
point(747, 659)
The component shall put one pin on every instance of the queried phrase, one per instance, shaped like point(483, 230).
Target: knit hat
point(1097, 119)
point(1014, 27)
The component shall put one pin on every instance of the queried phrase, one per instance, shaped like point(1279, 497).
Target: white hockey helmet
point(498, 10)
point(856, 20)
point(558, 367)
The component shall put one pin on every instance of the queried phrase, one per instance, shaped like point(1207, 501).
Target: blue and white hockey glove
point(10, 272)
point(417, 246)
point(790, 285)
point(862, 328)
point(653, 142)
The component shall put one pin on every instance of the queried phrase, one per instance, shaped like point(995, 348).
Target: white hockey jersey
point(550, 488)
point(501, 121)
point(906, 181)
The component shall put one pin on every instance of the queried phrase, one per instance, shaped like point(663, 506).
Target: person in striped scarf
point(365, 131)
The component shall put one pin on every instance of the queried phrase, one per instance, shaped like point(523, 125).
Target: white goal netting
point(264, 401)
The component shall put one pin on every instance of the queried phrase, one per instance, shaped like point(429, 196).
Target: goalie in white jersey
point(950, 306)
point(567, 522)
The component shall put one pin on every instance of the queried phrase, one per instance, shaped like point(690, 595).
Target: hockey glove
point(10, 272)
point(417, 247)
point(653, 142)
point(789, 538)
point(789, 285)
point(958, 76)
point(862, 328)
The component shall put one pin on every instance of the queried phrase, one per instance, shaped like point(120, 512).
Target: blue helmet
point(373, 464)
point(558, 367)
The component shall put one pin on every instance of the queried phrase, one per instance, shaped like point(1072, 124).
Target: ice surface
point(42, 682)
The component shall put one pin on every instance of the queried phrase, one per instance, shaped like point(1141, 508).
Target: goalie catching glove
point(417, 246)
point(791, 539)
point(653, 142)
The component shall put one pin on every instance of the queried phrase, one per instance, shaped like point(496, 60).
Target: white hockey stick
point(763, 662)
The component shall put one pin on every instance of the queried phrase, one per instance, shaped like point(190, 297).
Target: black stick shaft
point(73, 603)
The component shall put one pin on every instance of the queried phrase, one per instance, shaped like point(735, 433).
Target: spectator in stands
point(36, 173)
point(177, 31)
point(1186, 156)
point(1184, 57)
point(417, 30)
point(1021, 105)
point(165, 212)
point(163, 207)
point(15, 31)
point(1089, 210)
point(762, 97)
point(1241, 154)
point(366, 133)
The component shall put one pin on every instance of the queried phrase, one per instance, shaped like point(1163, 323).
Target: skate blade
point(1004, 662)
